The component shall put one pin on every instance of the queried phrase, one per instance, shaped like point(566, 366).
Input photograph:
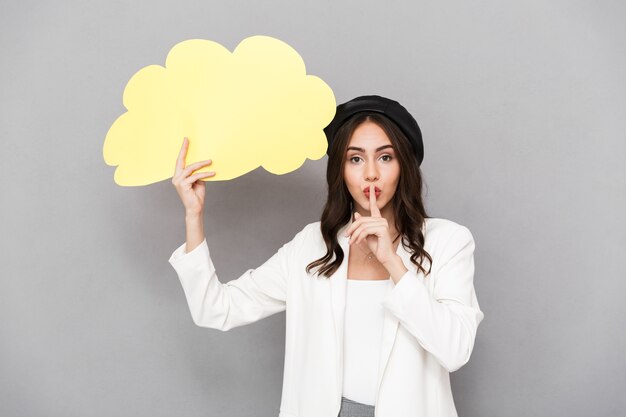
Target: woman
point(370, 331)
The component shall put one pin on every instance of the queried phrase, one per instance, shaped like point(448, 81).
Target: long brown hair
point(408, 207)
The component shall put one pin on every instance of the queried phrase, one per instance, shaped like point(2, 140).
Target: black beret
point(390, 108)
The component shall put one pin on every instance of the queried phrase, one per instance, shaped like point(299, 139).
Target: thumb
point(356, 215)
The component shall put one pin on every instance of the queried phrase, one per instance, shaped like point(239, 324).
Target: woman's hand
point(190, 188)
point(375, 230)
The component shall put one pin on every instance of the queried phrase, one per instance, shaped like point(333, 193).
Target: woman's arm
point(191, 190)
point(194, 226)
point(256, 294)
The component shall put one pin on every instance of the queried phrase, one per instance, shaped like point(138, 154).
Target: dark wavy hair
point(408, 207)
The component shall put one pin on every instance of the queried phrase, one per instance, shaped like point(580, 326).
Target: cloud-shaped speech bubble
point(253, 107)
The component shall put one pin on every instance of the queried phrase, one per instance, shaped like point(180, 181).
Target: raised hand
point(374, 229)
point(190, 188)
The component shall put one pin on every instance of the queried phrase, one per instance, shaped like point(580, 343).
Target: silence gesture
point(374, 229)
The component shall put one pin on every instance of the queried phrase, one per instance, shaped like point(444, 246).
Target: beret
point(390, 108)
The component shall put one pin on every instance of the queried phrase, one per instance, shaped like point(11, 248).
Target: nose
point(371, 172)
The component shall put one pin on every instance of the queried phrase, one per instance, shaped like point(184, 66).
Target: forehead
point(369, 135)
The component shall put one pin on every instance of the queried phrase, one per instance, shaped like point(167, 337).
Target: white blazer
point(429, 326)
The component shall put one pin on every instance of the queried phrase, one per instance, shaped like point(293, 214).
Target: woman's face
point(371, 159)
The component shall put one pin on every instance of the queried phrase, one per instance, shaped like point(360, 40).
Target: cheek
point(349, 179)
point(394, 179)
point(396, 173)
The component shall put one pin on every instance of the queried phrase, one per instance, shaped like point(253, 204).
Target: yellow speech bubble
point(253, 107)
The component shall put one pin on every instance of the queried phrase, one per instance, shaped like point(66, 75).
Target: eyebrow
point(354, 148)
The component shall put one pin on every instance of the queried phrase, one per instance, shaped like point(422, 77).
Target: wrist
point(193, 215)
point(396, 268)
point(394, 260)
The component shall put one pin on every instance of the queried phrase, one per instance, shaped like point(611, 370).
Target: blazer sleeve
point(256, 294)
point(444, 323)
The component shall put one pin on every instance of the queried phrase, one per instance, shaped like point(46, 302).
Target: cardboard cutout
point(253, 107)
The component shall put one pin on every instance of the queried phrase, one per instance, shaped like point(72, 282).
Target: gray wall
point(522, 106)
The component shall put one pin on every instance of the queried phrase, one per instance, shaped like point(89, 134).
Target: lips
point(367, 191)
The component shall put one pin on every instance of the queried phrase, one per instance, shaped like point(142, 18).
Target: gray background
point(522, 106)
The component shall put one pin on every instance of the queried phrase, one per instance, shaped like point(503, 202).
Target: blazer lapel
point(338, 286)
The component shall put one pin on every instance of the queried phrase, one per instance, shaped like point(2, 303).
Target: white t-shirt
point(362, 338)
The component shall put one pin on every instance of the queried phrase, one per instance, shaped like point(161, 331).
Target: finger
point(180, 161)
point(373, 230)
point(355, 223)
point(359, 220)
point(182, 176)
point(195, 166)
point(197, 185)
point(374, 211)
point(359, 234)
point(197, 176)
point(364, 228)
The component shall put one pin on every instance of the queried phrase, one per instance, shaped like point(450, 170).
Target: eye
point(387, 156)
point(353, 157)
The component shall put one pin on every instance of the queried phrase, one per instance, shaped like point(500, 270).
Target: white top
point(363, 333)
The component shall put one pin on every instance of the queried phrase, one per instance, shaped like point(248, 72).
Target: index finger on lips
point(374, 211)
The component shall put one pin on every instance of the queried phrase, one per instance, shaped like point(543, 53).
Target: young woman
point(379, 298)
